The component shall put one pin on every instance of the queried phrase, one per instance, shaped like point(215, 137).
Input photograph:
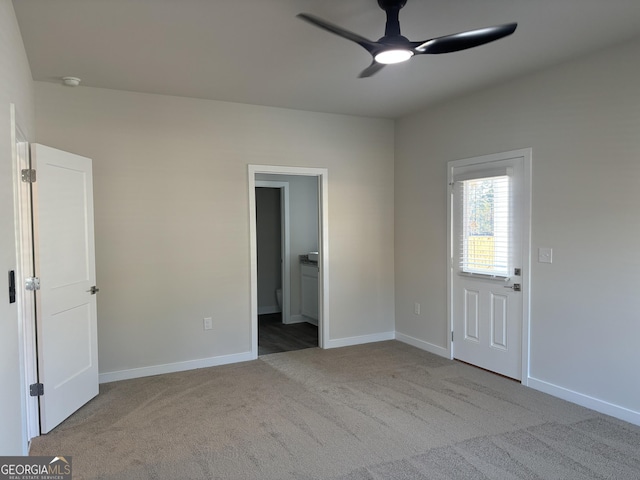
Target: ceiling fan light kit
point(394, 48)
point(389, 57)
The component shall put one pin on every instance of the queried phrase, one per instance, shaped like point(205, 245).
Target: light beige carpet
point(378, 411)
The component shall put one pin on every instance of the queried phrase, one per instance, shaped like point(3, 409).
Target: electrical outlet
point(208, 323)
point(416, 308)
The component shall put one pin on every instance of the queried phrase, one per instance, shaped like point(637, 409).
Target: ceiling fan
point(394, 48)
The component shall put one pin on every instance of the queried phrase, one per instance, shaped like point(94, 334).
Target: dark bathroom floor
point(274, 336)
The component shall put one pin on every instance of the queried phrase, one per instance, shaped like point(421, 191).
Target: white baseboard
point(296, 319)
point(312, 321)
point(587, 401)
point(596, 404)
point(174, 367)
point(359, 340)
point(422, 345)
point(269, 309)
point(302, 319)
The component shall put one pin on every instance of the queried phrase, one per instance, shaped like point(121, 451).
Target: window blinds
point(484, 224)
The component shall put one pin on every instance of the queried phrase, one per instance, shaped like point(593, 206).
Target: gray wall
point(16, 87)
point(172, 215)
point(582, 120)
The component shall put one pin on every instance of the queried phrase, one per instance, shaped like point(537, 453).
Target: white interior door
point(489, 261)
point(65, 264)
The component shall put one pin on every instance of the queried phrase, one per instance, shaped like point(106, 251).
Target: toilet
point(279, 298)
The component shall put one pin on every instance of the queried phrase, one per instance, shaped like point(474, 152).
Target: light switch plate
point(545, 255)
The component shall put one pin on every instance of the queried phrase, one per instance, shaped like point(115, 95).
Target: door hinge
point(32, 284)
point(28, 175)
point(452, 335)
point(36, 389)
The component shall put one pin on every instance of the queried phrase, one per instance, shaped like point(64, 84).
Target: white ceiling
point(258, 52)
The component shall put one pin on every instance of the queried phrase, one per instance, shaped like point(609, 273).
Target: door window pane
point(485, 226)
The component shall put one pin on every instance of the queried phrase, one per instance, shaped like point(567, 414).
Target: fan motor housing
point(385, 4)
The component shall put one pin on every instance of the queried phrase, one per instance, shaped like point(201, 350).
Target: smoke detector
point(71, 81)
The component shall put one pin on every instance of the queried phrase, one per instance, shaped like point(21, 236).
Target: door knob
point(94, 290)
point(515, 287)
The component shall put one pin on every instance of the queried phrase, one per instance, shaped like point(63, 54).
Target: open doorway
point(278, 331)
point(288, 258)
point(286, 233)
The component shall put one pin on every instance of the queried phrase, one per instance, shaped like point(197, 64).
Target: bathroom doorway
point(288, 275)
point(273, 247)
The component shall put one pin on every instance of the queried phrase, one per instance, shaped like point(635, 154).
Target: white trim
point(526, 154)
point(323, 261)
point(25, 301)
point(303, 319)
point(312, 321)
point(449, 344)
point(596, 404)
point(269, 309)
point(298, 319)
point(527, 202)
point(174, 367)
point(540, 385)
point(323, 248)
point(285, 246)
point(361, 339)
point(422, 345)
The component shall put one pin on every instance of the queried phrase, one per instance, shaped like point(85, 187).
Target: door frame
point(285, 244)
point(322, 175)
point(25, 300)
point(527, 155)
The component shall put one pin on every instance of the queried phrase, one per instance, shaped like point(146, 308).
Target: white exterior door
point(65, 264)
point(489, 259)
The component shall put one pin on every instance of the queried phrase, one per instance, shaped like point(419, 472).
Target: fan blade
point(463, 40)
point(367, 44)
point(375, 67)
